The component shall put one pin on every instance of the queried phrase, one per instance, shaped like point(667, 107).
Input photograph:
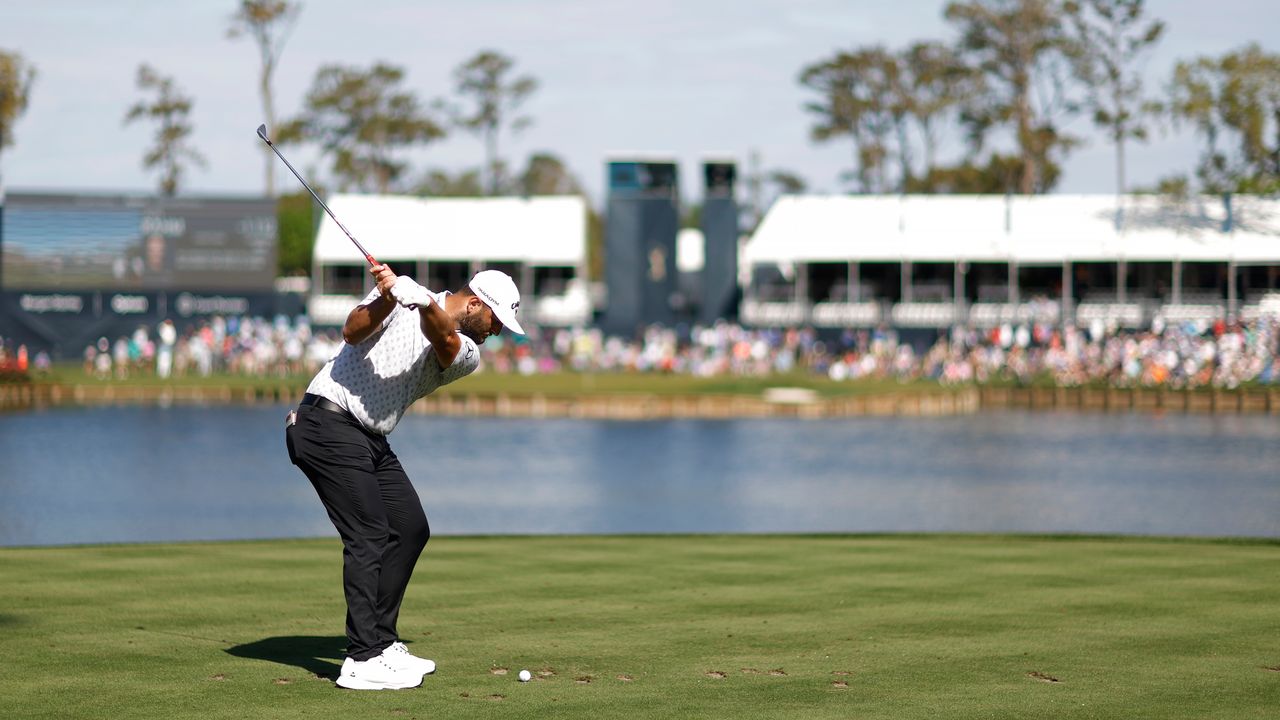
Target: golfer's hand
point(409, 293)
point(385, 279)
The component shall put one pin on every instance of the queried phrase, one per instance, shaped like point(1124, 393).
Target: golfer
point(402, 342)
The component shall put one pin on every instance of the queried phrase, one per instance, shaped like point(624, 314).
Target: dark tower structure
point(719, 296)
point(640, 245)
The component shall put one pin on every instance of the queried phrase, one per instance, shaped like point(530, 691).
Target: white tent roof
point(1040, 229)
point(535, 230)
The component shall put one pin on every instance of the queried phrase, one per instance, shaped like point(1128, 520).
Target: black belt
point(325, 404)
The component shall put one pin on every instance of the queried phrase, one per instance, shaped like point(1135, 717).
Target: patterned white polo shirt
point(378, 379)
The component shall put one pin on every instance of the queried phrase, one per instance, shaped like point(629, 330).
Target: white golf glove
point(409, 293)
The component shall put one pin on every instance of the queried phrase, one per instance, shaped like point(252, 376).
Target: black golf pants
point(377, 514)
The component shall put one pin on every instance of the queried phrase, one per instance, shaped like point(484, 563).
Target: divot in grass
point(583, 679)
point(498, 670)
point(840, 685)
point(716, 674)
point(777, 672)
point(625, 678)
point(1043, 677)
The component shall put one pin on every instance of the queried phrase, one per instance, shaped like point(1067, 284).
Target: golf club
point(262, 133)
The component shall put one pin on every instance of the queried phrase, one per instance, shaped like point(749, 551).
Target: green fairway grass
point(658, 627)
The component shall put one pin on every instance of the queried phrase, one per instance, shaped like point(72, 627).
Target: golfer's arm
point(365, 319)
point(440, 330)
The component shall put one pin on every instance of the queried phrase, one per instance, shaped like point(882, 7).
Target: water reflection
point(183, 473)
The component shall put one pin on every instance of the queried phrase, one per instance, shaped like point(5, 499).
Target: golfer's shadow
point(318, 655)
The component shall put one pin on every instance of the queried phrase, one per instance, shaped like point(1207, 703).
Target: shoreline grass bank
point(639, 396)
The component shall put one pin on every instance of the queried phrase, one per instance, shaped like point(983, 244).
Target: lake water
point(203, 473)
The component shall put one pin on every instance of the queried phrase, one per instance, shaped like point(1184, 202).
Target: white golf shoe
point(398, 656)
point(376, 674)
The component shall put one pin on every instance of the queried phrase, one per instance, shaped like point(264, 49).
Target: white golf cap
point(500, 293)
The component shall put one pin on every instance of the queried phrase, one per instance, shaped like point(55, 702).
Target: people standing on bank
point(401, 343)
point(168, 336)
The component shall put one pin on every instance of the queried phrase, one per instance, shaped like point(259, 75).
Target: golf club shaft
point(262, 133)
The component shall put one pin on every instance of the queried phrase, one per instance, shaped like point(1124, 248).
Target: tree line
point(1019, 72)
point(362, 119)
point(1006, 89)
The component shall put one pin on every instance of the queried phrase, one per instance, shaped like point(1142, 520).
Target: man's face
point(479, 322)
point(155, 252)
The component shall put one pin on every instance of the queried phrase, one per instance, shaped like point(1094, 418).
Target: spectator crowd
point(1219, 354)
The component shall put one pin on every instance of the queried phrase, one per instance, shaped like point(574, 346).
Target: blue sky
point(684, 79)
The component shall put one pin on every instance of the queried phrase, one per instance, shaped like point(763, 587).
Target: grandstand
point(540, 241)
point(941, 260)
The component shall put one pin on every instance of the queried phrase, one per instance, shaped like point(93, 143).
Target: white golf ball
point(525, 676)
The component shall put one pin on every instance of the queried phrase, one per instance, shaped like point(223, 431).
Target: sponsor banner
point(42, 303)
point(64, 323)
point(130, 304)
point(188, 305)
point(92, 304)
point(155, 305)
